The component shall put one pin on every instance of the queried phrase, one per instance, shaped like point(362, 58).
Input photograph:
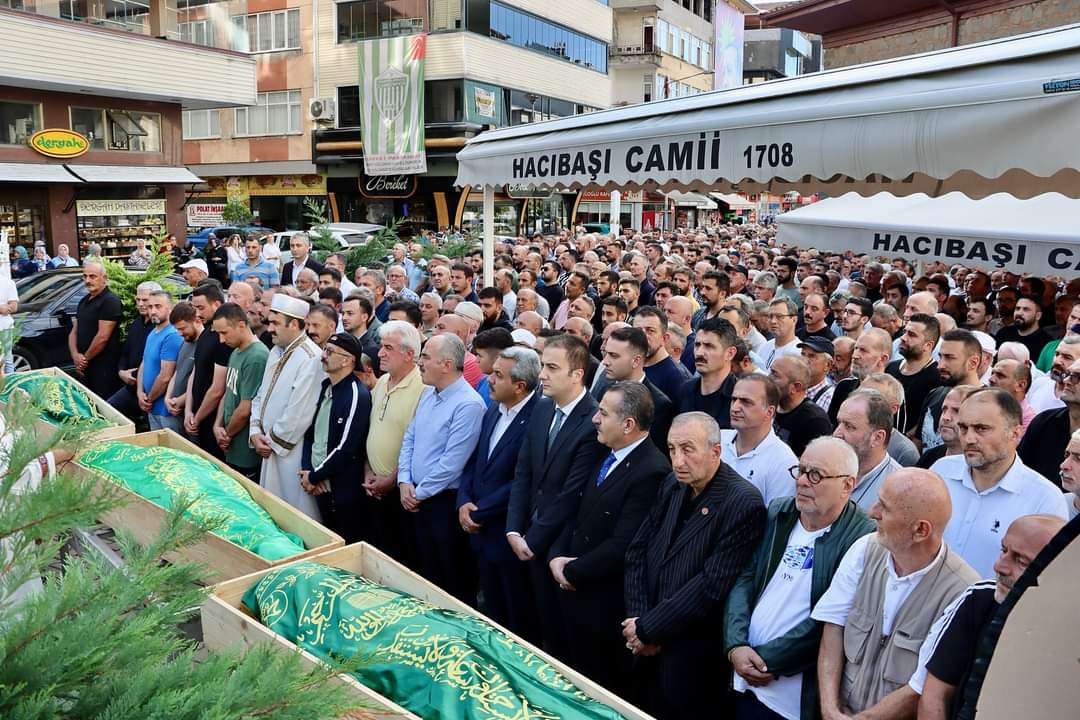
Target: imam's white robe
point(282, 411)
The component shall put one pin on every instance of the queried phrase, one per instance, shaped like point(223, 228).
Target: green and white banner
point(392, 105)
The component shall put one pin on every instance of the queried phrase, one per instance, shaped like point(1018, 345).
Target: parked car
point(601, 228)
point(47, 305)
point(222, 232)
point(347, 236)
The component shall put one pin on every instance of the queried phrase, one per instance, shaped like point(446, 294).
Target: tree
point(100, 642)
point(236, 213)
point(123, 282)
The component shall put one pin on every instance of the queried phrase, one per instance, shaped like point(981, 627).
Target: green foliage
point(322, 240)
point(123, 282)
point(237, 213)
point(101, 642)
point(375, 249)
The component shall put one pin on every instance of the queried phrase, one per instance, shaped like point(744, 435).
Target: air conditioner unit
point(322, 109)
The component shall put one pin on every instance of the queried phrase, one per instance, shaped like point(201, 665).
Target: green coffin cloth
point(161, 474)
point(439, 664)
point(60, 400)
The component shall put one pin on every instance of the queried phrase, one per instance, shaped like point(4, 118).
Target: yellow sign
point(242, 188)
point(59, 143)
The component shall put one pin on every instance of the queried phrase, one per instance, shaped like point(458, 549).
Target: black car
point(47, 305)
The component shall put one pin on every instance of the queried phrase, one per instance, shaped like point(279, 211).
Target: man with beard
point(958, 364)
point(948, 655)
point(1048, 435)
point(660, 368)
point(917, 371)
point(865, 423)
point(714, 290)
point(989, 485)
point(870, 355)
point(857, 313)
point(1025, 328)
point(551, 290)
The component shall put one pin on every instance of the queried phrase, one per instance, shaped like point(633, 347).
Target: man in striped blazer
point(680, 567)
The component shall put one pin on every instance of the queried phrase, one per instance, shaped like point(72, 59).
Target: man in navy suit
point(558, 455)
point(699, 535)
point(587, 559)
point(484, 492)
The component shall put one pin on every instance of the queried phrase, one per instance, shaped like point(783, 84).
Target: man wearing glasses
point(783, 316)
point(769, 636)
point(1048, 434)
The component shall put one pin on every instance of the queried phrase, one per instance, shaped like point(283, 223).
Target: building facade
point(860, 31)
point(92, 154)
point(490, 63)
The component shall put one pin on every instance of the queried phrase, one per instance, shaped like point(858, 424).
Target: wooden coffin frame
point(224, 625)
point(222, 558)
point(119, 425)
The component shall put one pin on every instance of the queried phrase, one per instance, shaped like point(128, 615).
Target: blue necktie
point(609, 461)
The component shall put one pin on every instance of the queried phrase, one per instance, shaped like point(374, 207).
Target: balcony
point(633, 56)
point(125, 50)
point(617, 5)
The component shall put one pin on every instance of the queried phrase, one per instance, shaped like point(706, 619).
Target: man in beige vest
point(889, 589)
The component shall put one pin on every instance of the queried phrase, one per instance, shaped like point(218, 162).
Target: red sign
point(595, 196)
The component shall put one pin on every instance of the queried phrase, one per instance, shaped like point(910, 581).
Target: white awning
point(36, 173)
point(999, 116)
point(733, 201)
point(1037, 235)
point(689, 199)
point(135, 174)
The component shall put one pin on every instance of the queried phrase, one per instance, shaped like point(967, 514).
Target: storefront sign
point(595, 196)
point(388, 186)
point(524, 192)
point(205, 214)
point(285, 184)
point(484, 104)
point(102, 208)
point(59, 143)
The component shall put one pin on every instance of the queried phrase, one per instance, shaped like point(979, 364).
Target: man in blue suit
point(484, 492)
point(559, 453)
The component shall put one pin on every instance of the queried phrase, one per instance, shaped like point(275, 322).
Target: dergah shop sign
point(382, 187)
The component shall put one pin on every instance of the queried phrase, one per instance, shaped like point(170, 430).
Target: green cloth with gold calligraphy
point(437, 663)
point(161, 474)
point(60, 401)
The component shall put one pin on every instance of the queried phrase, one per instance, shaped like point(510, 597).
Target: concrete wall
point(981, 23)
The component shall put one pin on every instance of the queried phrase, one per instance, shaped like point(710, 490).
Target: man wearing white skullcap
point(285, 405)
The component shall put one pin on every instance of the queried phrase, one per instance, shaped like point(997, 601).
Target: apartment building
point(91, 100)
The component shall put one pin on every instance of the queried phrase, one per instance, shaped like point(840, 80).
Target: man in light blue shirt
point(438, 442)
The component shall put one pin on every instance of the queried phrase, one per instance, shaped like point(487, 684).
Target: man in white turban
point(285, 405)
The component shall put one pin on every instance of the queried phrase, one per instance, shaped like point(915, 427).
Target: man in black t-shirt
point(710, 392)
point(1025, 328)
point(952, 649)
point(917, 371)
point(798, 420)
point(94, 340)
point(207, 381)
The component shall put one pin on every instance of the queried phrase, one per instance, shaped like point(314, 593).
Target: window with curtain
point(276, 113)
point(267, 31)
point(201, 124)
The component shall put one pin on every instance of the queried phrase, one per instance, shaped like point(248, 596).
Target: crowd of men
point(718, 476)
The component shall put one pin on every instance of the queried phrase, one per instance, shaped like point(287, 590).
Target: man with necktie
point(587, 559)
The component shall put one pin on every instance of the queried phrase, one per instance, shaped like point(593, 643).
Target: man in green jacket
point(771, 641)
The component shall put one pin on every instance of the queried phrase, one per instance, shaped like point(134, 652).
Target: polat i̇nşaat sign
point(59, 143)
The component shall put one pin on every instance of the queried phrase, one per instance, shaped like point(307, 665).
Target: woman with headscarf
point(22, 266)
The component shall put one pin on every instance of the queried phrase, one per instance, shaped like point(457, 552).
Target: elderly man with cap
point(818, 352)
point(334, 444)
point(195, 272)
point(282, 411)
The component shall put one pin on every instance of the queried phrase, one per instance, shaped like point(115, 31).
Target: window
point(647, 91)
point(18, 121)
point(366, 19)
point(276, 113)
point(134, 131)
point(90, 123)
point(268, 31)
point(198, 32)
point(528, 31)
point(199, 124)
point(348, 106)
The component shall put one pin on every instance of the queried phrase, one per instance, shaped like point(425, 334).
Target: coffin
point(119, 425)
point(224, 625)
point(143, 518)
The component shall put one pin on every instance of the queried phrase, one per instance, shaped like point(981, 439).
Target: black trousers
point(126, 401)
point(505, 589)
point(251, 474)
point(748, 707)
point(205, 439)
point(444, 552)
point(351, 519)
point(546, 601)
point(596, 645)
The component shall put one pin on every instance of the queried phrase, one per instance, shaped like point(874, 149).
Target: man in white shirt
point(1070, 475)
point(783, 316)
point(989, 485)
point(889, 589)
point(1045, 392)
point(9, 305)
point(768, 634)
point(753, 449)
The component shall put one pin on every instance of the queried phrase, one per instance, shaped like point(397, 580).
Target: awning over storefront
point(689, 199)
point(733, 201)
point(1037, 235)
point(36, 173)
point(999, 116)
point(134, 174)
